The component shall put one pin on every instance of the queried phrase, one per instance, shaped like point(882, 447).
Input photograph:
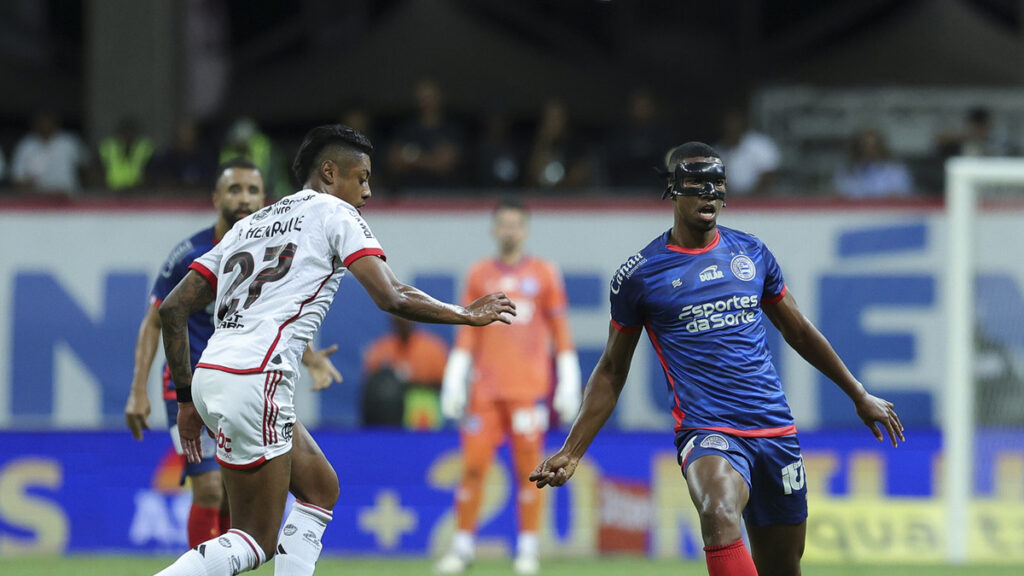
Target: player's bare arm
point(321, 369)
point(391, 295)
point(137, 408)
point(599, 400)
point(812, 345)
point(192, 294)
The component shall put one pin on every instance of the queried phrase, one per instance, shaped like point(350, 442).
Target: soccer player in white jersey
point(273, 277)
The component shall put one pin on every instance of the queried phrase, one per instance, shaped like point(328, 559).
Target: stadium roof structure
point(930, 42)
point(426, 38)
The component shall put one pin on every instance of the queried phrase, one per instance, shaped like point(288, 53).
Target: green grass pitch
point(139, 566)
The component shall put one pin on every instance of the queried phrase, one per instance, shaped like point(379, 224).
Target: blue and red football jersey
point(200, 324)
point(702, 312)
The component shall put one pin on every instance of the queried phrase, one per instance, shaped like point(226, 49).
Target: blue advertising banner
point(97, 491)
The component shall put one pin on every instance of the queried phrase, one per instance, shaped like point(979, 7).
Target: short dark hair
point(511, 204)
point(322, 138)
point(236, 162)
point(690, 150)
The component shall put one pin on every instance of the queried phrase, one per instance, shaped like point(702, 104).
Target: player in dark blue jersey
point(238, 192)
point(701, 291)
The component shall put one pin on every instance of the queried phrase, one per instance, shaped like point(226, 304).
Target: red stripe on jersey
point(273, 344)
point(209, 366)
point(276, 409)
point(270, 408)
point(246, 466)
point(759, 433)
point(708, 248)
point(323, 511)
point(686, 457)
point(364, 252)
point(248, 541)
point(777, 298)
point(624, 329)
point(677, 411)
point(205, 273)
point(266, 405)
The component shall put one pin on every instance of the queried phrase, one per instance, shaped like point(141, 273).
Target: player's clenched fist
point(555, 471)
point(495, 307)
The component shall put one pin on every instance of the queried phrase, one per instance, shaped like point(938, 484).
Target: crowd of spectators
point(431, 151)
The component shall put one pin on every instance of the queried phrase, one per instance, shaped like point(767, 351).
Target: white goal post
point(964, 176)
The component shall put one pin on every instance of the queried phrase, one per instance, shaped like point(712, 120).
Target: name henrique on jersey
point(276, 273)
point(200, 324)
point(702, 311)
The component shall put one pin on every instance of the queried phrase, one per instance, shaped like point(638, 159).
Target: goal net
point(983, 424)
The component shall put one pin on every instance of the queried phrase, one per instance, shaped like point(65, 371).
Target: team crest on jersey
point(715, 442)
point(711, 273)
point(743, 267)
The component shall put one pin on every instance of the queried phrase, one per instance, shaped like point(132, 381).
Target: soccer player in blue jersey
point(701, 291)
point(238, 192)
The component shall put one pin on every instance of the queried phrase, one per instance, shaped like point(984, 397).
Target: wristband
point(184, 393)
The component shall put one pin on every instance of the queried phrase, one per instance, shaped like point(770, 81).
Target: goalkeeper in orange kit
point(505, 372)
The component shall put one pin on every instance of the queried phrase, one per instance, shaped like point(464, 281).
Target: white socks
point(226, 555)
point(528, 545)
point(463, 544)
point(298, 547)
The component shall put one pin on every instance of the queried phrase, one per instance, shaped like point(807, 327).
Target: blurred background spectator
point(49, 161)
point(979, 136)
point(638, 144)
point(870, 172)
point(415, 359)
point(186, 167)
point(499, 154)
point(427, 150)
point(752, 158)
point(244, 139)
point(558, 157)
point(125, 156)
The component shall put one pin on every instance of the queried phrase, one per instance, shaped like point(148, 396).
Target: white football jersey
point(276, 273)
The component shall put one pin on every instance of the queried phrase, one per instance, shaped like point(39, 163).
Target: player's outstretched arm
point(391, 295)
point(599, 401)
point(812, 345)
point(137, 409)
point(192, 294)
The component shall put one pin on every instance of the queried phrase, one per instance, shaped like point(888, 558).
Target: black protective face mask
point(706, 172)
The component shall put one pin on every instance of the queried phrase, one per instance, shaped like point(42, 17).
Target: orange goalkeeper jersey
point(514, 362)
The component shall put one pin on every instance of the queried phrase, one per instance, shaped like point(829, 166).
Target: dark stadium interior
point(288, 65)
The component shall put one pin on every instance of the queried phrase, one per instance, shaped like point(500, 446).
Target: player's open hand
point(874, 411)
point(136, 413)
point(190, 426)
point(321, 369)
point(555, 471)
point(495, 307)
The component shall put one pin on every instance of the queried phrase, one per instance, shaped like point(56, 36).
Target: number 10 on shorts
point(793, 477)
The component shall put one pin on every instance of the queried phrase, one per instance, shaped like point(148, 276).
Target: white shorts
point(253, 414)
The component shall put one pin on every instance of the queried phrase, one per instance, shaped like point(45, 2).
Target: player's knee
point(207, 491)
point(720, 518)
